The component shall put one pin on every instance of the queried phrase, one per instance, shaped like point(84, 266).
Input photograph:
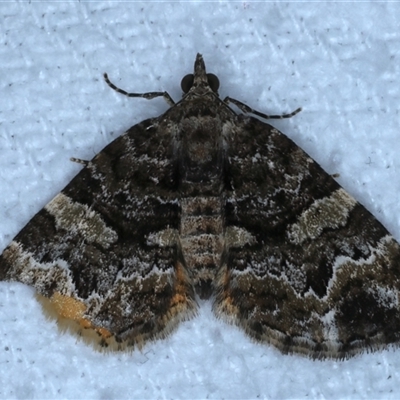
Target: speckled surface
point(338, 61)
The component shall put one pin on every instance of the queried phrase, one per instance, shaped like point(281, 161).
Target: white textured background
point(340, 62)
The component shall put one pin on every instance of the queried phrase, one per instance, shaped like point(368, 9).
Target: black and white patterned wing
point(305, 266)
point(105, 251)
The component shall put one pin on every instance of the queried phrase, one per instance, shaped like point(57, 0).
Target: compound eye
point(187, 82)
point(213, 81)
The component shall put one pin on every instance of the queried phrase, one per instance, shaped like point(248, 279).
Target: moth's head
point(200, 79)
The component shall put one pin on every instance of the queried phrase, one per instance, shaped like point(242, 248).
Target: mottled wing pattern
point(105, 250)
point(201, 200)
point(305, 266)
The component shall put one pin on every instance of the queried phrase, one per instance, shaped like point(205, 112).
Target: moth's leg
point(148, 96)
point(246, 109)
point(80, 161)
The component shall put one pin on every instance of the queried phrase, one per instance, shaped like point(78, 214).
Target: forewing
point(305, 266)
point(105, 251)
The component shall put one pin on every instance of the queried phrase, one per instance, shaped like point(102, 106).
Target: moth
point(202, 202)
